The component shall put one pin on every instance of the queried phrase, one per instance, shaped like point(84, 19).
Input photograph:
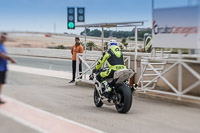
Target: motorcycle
point(121, 93)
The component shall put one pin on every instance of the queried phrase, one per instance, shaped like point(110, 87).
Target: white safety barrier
point(179, 91)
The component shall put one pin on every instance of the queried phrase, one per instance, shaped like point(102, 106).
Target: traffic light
point(80, 14)
point(70, 18)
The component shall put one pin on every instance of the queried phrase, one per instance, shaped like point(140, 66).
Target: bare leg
point(0, 90)
point(1, 102)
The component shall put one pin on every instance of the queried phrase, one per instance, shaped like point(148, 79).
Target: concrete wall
point(187, 77)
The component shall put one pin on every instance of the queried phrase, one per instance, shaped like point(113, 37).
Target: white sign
point(176, 28)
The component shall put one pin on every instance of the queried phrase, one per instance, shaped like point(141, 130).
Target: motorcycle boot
point(107, 89)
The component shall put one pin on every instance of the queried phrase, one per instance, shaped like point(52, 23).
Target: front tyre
point(97, 99)
point(125, 99)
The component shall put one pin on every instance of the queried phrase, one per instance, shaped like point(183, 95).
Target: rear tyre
point(125, 102)
point(97, 99)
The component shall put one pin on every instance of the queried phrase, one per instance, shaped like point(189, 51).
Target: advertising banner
point(176, 28)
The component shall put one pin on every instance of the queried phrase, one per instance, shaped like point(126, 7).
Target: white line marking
point(54, 115)
point(42, 58)
point(39, 71)
point(23, 122)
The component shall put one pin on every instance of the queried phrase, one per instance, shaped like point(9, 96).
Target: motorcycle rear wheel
point(125, 99)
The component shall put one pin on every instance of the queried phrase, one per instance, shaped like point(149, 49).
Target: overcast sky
point(41, 15)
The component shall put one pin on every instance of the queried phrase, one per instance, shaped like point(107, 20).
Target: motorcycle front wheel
point(97, 99)
point(125, 99)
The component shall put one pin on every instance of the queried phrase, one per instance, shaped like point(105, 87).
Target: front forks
point(98, 87)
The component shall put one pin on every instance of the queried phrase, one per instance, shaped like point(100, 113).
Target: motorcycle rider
point(115, 61)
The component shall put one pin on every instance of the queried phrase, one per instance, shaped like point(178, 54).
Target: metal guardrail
point(88, 68)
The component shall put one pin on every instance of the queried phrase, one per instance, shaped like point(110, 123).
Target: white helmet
point(113, 43)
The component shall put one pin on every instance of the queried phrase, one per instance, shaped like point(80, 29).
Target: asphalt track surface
point(55, 95)
point(46, 63)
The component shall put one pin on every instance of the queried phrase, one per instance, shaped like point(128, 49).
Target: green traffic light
point(71, 25)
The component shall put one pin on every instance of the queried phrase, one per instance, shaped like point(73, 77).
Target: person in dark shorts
point(3, 62)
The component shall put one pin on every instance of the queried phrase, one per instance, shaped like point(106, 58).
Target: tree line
point(117, 34)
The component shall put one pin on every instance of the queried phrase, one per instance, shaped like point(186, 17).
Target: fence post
point(179, 73)
point(77, 65)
